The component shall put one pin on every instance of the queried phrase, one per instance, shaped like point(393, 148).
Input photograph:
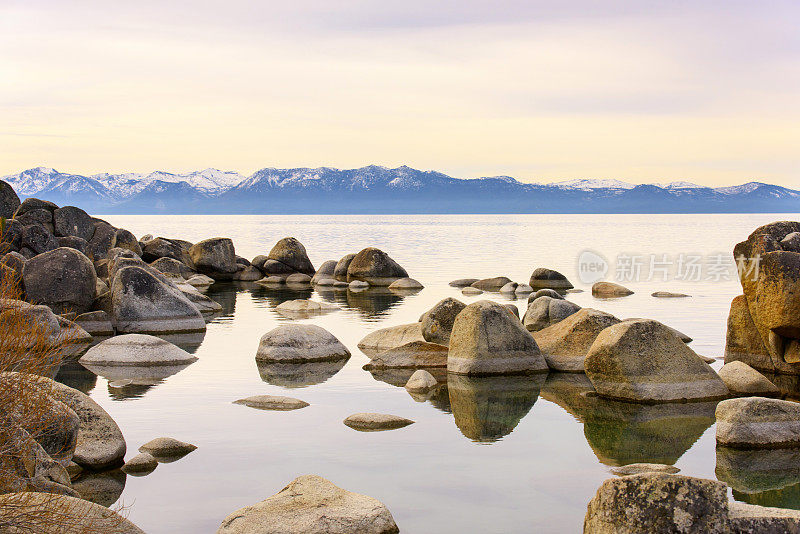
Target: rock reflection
point(298, 375)
point(768, 477)
point(622, 433)
point(224, 293)
point(76, 376)
point(275, 295)
point(486, 409)
point(135, 380)
point(369, 303)
point(102, 488)
point(189, 341)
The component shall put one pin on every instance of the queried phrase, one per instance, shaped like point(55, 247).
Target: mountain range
point(376, 189)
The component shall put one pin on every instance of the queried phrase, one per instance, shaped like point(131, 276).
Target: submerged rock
point(471, 291)
point(302, 308)
point(407, 284)
point(421, 381)
point(491, 284)
point(300, 343)
point(463, 282)
point(371, 422)
point(167, 448)
point(136, 350)
point(668, 295)
point(312, 505)
point(636, 469)
point(272, 402)
point(610, 290)
point(142, 464)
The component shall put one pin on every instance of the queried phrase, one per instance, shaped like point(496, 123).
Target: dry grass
point(27, 411)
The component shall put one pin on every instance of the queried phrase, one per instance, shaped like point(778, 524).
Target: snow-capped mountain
point(376, 189)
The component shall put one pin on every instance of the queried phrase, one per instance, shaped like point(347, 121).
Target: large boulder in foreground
point(758, 423)
point(136, 350)
point(488, 340)
point(286, 257)
point(312, 505)
point(63, 279)
point(566, 343)
point(543, 278)
point(375, 267)
point(437, 324)
point(644, 361)
point(658, 502)
point(142, 304)
point(300, 343)
point(215, 257)
point(546, 311)
point(9, 201)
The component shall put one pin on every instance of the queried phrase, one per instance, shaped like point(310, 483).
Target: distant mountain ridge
point(376, 189)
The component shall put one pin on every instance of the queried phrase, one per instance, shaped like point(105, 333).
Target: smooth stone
point(63, 279)
point(141, 464)
point(523, 289)
point(491, 284)
point(421, 381)
point(292, 257)
point(272, 280)
point(406, 283)
point(743, 380)
point(488, 340)
point(547, 311)
point(302, 308)
point(172, 266)
point(471, 291)
point(412, 355)
point(358, 285)
point(552, 293)
point(167, 448)
point(375, 267)
point(136, 350)
point(340, 271)
point(636, 469)
point(248, 274)
point(391, 337)
point(325, 271)
point(758, 423)
point(312, 505)
point(566, 343)
point(437, 323)
point(463, 282)
point(668, 295)
point(326, 282)
point(510, 287)
point(371, 422)
point(272, 402)
point(200, 280)
point(610, 290)
point(296, 343)
point(543, 278)
point(298, 278)
point(683, 337)
point(644, 361)
point(215, 257)
point(749, 518)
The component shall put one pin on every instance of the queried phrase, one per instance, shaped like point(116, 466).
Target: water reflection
point(764, 477)
point(486, 409)
point(298, 375)
point(370, 303)
point(622, 433)
point(136, 379)
point(102, 488)
point(273, 296)
point(76, 376)
point(399, 377)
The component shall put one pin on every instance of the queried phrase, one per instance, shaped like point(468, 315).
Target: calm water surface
point(514, 455)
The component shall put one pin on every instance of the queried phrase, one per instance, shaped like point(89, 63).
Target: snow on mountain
point(33, 180)
point(208, 181)
point(739, 189)
point(589, 184)
point(680, 185)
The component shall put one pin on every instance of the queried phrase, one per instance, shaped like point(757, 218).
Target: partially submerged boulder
point(272, 402)
point(325, 271)
point(743, 380)
point(542, 278)
point(214, 257)
point(413, 355)
point(312, 505)
point(546, 311)
point(340, 271)
point(421, 381)
point(375, 267)
point(566, 343)
point(758, 423)
point(304, 308)
point(610, 290)
point(296, 343)
point(391, 337)
point(491, 284)
point(373, 422)
point(437, 323)
point(136, 350)
point(288, 256)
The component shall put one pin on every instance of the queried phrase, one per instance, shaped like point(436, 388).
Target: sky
point(706, 91)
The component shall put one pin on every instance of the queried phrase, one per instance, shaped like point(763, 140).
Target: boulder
point(743, 380)
point(340, 271)
point(680, 335)
point(743, 342)
point(547, 311)
point(749, 518)
point(421, 381)
point(161, 248)
point(136, 350)
point(658, 502)
point(298, 278)
point(643, 361)
point(167, 448)
point(200, 280)
point(437, 323)
point(295, 343)
point(141, 303)
point(30, 204)
point(103, 239)
point(9, 201)
point(566, 343)
point(74, 242)
point(375, 267)
point(371, 422)
point(552, 293)
point(288, 256)
point(272, 402)
point(170, 266)
point(411, 355)
point(325, 271)
point(668, 295)
point(610, 290)
point(63, 279)
point(248, 274)
point(312, 505)
point(125, 239)
point(463, 282)
point(523, 289)
point(509, 288)
point(72, 221)
point(38, 321)
point(39, 217)
point(491, 284)
point(96, 323)
point(406, 284)
point(142, 464)
point(542, 278)
point(26, 466)
point(758, 423)
point(214, 257)
point(487, 340)
point(513, 309)
point(358, 285)
point(37, 239)
point(471, 291)
point(303, 309)
point(11, 266)
point(389, 338)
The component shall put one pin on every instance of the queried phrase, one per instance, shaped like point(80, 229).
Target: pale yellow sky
point(700, 91)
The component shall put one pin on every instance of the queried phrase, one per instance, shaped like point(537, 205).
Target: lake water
point(493, 455)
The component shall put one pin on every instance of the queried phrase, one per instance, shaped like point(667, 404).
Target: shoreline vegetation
point(69, 281)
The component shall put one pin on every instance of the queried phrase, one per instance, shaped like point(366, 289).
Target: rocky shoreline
point(85, 280)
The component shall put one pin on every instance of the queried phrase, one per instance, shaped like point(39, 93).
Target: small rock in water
point(523, 289)
point(272, 280)
point(326, 282)
point(167, 448)
point(510, 287)
point(302, 308)
point(552, 293)
point(609, 290)
point(142, 464)
point(491, 284)
point(405, 283)
point(635, 469)
point(758, 423)
point(742, 379)
point(421, 381)
point(298, 278)
point(358, 285)
point(300, 343)
point(136, 349)
point(120, 383)
point(200, 280)
point(371, 422)
point(668, 295)
point(463, 282)
point(468, 291)
point(548, 278)
point(272, 402)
